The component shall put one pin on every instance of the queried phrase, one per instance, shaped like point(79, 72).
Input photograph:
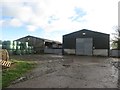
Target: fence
point(115, 53)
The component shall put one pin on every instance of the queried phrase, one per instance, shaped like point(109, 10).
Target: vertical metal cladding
point(100, 41)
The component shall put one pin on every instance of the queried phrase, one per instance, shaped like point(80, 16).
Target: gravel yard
point(57, 71)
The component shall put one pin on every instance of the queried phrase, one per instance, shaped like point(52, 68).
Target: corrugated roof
point(46, 40)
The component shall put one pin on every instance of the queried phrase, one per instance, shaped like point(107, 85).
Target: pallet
point(5, 63)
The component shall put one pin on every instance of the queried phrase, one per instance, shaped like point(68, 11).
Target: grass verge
point(17, 70)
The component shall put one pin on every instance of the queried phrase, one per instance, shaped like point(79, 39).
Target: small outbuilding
point(86, 42)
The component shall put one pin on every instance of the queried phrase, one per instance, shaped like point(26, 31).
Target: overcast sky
point(51, 19)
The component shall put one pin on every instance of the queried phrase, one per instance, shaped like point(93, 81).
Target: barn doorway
point(84, 46)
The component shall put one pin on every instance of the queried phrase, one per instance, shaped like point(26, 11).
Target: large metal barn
point(86, 42)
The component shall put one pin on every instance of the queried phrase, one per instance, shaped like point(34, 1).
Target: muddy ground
point(57, 71)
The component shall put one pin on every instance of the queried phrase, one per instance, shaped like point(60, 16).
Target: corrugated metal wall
point(100, 40)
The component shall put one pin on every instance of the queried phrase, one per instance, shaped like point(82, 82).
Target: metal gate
point(84, 46)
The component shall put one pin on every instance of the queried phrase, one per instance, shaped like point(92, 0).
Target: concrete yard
point(57, 71)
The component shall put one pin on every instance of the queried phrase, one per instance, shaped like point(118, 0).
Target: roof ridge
point(85, 30)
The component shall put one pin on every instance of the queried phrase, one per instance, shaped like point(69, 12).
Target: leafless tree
point(117, 37)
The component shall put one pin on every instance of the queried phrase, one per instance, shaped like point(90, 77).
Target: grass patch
point(17, 70)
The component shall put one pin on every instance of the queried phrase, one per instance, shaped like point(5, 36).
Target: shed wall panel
point(100, 52)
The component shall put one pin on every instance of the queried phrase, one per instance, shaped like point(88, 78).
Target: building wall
point(69, 51)
point(53, 51)
point(100, 40)
point(100, 52)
